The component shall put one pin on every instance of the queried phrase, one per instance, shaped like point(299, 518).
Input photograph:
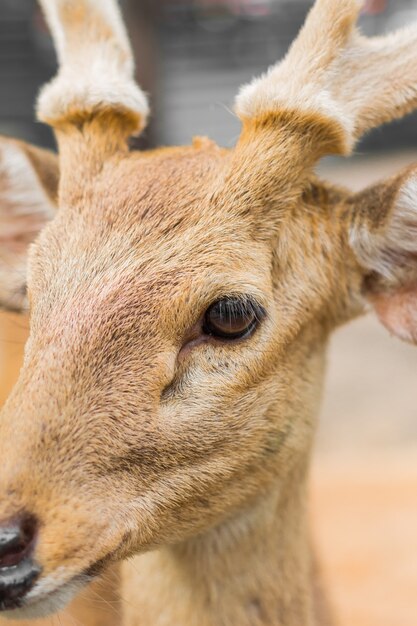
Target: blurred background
point(192, 55)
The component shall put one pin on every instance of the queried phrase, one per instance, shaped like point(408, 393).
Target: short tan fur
point(133, 433)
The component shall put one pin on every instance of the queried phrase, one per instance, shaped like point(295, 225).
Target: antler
point(94, 88)
point(331, 71)
point(96, 64)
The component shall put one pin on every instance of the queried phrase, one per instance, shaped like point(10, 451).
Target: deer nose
point(17, 568)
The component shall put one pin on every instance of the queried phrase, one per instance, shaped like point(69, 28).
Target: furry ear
point(384, 239)
point(28, 190)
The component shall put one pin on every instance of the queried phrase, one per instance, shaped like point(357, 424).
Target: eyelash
point(232, 309)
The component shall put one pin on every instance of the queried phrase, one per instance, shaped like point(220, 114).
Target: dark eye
point(232, 318)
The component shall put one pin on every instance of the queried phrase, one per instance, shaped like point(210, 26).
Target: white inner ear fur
point(386, 252)
point(24, 209)
point(24, 204)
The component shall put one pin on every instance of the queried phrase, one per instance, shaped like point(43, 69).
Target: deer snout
point(18, 571)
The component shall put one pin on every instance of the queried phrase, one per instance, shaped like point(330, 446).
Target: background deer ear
point(384, 239)
point(28, 190)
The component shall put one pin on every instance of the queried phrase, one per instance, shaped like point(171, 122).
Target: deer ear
point(384, 239)
point(28, 190)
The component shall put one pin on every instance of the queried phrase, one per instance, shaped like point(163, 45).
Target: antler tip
point(96, 66)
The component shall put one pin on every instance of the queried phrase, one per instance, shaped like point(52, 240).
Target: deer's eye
point(232, 318)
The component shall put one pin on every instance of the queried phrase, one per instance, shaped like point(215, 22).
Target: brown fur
point(129, 432)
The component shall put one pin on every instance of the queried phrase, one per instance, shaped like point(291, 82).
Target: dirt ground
point(364, 495)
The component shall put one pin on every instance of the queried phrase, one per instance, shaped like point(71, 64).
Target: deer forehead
point(164, 217)
point(158, 187)
point(84, 286)
point(155, 289)
point(149, 243)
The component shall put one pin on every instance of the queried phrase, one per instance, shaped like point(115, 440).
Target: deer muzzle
point(18, 570)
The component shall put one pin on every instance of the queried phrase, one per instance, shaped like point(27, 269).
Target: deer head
point(181, 299)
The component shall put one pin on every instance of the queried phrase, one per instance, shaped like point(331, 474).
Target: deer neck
point(256, 569)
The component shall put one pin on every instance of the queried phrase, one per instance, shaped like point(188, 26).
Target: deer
point(181, 302)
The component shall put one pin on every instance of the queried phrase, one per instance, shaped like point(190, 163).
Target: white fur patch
point(267, 93)
point(48, 596)
point(96, 62)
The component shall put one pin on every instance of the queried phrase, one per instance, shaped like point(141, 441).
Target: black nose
point(17, 569)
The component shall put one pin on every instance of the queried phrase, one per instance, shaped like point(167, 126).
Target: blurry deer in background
point(181, 301)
